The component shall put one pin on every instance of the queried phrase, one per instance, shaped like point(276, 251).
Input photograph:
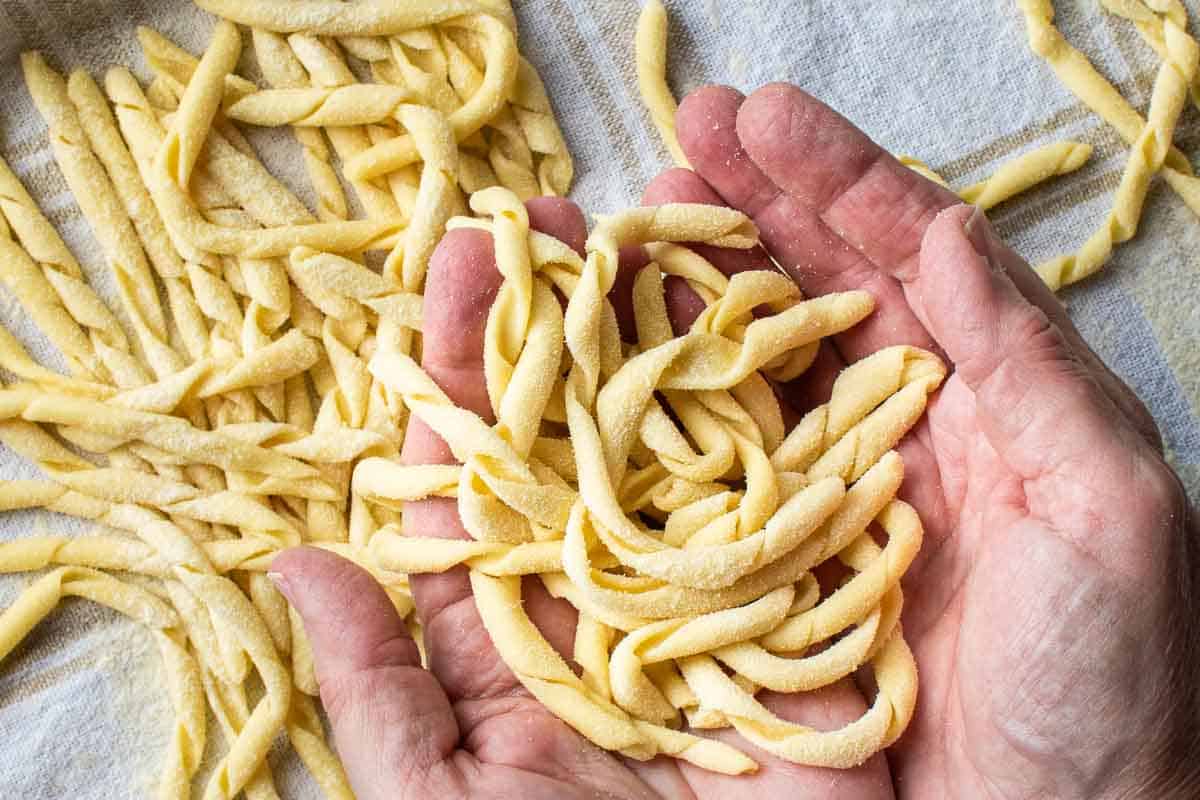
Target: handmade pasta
point(1148, 154)
point(653, 484)
point(650, 50)
point(719, 577)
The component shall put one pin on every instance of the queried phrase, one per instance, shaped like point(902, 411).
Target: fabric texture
point(83, 711)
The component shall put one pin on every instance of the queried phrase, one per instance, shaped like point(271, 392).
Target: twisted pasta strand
point(1081, 78)
point(1026, 171)
point(650, 54)
point(1147, 155)
point(183, 676)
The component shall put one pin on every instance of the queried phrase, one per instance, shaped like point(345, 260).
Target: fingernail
point(281, 583)
point(978, 232)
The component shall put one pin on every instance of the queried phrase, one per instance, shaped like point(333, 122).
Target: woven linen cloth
point(83, 710)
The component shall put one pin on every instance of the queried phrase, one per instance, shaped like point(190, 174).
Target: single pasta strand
point(1022, 173)
point(1015, 176)
point(650, 55)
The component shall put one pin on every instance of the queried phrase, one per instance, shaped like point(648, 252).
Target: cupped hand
point(1052, 611)
point(465, 727)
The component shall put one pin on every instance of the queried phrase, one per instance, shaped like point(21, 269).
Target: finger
point(1040, 406)
point(461, 286)
point(390, 717)
point(1037, 292)
point(559, 218)
point(786, 160)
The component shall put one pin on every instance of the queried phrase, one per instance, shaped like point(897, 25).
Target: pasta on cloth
point(249, 388)
point(262, 406)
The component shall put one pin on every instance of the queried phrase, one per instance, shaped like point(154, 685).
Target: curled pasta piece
point(681, 638)
point(924, 170)
point(349, 279)
point(167, 58)
point(531, 107)
point(183, 676)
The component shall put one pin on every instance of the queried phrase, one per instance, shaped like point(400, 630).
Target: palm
point(1011, 614)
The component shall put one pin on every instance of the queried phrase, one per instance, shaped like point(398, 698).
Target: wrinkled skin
point(1051, 610)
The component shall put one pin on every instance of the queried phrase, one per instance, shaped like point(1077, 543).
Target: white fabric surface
point(82, 713)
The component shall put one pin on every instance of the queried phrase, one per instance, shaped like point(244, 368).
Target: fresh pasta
point(650, 52)
point(719, 578)
point(253, 389)
point(1148, 154)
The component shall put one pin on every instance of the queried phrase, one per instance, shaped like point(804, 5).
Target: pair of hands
point(1052, 610)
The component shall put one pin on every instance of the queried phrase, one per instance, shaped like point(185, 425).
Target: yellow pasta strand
point(1082, 79)
point(1147, 155)
point(650, 54)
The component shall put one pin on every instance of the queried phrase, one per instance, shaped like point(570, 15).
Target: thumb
point(391, 719)
point(1036, 401)
point(1040, 405)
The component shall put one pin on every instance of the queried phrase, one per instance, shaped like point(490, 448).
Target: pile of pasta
point(214, 415)
point(654, 486)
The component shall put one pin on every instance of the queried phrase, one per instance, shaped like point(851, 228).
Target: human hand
point(465, 727)
point(1011, 532)
point(1052, 610)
